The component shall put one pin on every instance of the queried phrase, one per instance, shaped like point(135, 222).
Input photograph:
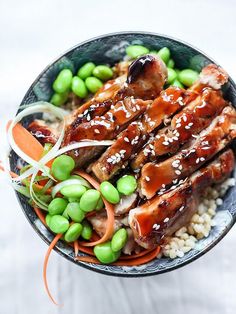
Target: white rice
point(201, 223)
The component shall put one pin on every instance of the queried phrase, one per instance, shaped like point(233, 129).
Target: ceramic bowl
point(110, 49)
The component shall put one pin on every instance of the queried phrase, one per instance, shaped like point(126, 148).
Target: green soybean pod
point(73, 233)
point(86, 70)
point(59, 99)
point(74, 211)
point(78, 87)
point(103, 72)
point(89, 200)
point(177, 84)
point(87, 230)
point(172, 75)
point(188, 77)
point(62, 167)
point(58, 224)
point(126, 185)
point(109, 192)
point(57, 206)
point(73, 190)
point(104, 253)
point(63, 81)
point(171, 64)
point(164, 54)
point(93, 84)
point(134, 51)
point(48, 219)
point(119, 240)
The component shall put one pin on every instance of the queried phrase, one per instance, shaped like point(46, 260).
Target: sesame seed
point(147, 178)
point(175, 181)
point(156, 226)
point(126, 139)
point(197, 160)
point(165, 143)
point(180, 167)
point(178, 125)
point(166, 219)
point(184, 118)
point(97, 131)
point(178, 172)
point(181, 208)
point(202, 158)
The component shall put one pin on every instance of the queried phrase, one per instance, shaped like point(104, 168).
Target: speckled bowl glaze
point(110, 49)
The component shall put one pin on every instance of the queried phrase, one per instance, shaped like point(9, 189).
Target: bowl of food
point(123, 155)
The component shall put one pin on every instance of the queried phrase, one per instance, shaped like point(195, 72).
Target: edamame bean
point(172, 75)
point(87, 230)
point(153, 52)
point(78, 87)
point(58, 99)
point(188, 77)
point(86, 70)
point(48, 219)
point(104, 253)
point(62, 167)
point(74, 211)
point(171, 64)
point(100, 204)
point(73, 233)
point(134, 51)
point(119, 240)
point(164, 54)
point(73, 190)
point(109, 192)
point(63, 81)
point(57, 206)
point(103, 72)
point(89, 200)
point(58, 224)
point(177, 84)
point(93, 84)
point(126, 185)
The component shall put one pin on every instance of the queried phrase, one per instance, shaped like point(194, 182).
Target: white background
point(32, 33)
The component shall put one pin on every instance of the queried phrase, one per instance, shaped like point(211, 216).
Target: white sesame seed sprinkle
point(178, 172)
point(147, 178)
point(166, 219)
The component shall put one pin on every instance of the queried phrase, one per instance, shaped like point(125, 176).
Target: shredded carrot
point(109, 209)
point(128, 257)
point(27, 142)
point(76, 247)
point(40, 215)
point(136, 261)
point(45, 264)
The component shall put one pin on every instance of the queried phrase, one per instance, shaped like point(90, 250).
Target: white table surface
point(32, 33)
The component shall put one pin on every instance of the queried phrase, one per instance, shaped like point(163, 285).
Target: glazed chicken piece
point(157, 176)
point(192, 119)
point(211, 76)
point(130, 141)
point(163, 215)
point(42, 132)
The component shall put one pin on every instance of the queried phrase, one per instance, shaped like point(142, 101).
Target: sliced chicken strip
point(163, 215)
point(211, 76)
point(131, 140)
point(156, 176)
point(192, 119)
point(105, 127)
point(99, 221)
point(125, 204)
